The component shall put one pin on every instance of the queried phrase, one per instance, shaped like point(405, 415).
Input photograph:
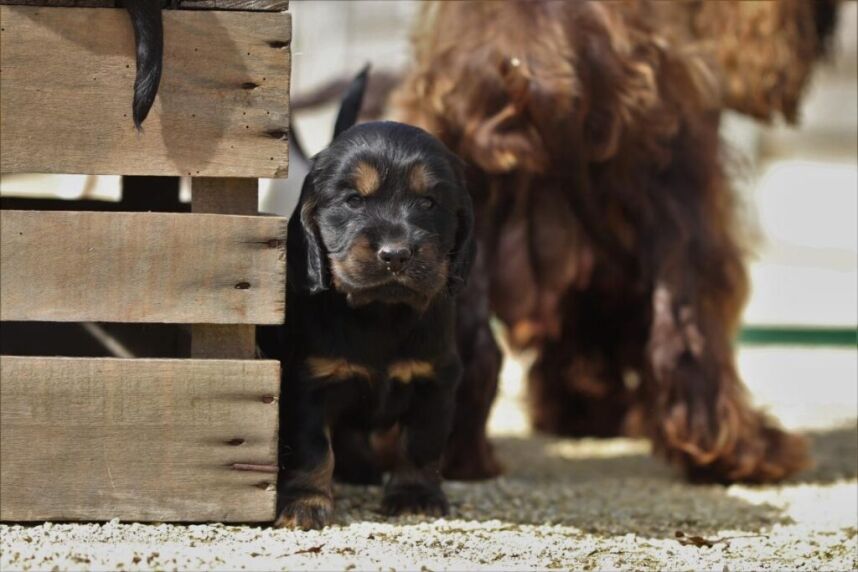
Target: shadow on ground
point(610, 487)
point(835, 453)
point(552, 481)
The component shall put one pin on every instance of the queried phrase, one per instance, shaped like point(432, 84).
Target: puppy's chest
point(384, 349)
point(370, 374)
point(333, 368)
point(368, 395)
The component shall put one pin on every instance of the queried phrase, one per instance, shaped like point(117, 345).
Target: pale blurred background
point(798, 350)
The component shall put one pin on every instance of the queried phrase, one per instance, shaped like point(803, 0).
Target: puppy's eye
point(354, 200)
point(426, 203)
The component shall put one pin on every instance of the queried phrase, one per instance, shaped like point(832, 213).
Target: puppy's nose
point(394, 256)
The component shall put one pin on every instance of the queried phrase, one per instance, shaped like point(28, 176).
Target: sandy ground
point(585, 504)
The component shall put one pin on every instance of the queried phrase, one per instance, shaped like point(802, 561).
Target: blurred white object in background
point(807, 271)
point(69, 187)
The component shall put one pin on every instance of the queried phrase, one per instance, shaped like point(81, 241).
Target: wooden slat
point(222, 108)
point(233, 196)
point(61, 3)
point(221, 341)
point(247, 5)
point(145, 439)
point(142, 267)
point(250, 5)
point(224, 195)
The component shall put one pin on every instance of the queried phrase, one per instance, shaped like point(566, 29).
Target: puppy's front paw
point(308, 511)
point(414, 499)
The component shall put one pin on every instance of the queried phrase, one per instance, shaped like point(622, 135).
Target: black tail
point(825, 24)
point(149, 40)
point(352, 101)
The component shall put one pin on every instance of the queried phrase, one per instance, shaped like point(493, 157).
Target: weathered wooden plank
point(144, 439)
point(246, 5)
point(61, 3)
point(222, 108)
point(142, 267)
point(222, 341)
point(249, 5)
point(224, 195)
point(229, 196)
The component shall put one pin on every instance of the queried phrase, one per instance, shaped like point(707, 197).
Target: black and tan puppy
point(377, 249)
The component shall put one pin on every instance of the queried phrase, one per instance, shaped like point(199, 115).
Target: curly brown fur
point(612, 243)
point(763, 52)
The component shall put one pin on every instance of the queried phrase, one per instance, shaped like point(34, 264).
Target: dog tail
point(149, 41)
point(352, 101)
point(825, 24)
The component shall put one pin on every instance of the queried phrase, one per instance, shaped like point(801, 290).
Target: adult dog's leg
point(576, 386)
point(469, 455)
point(566, 397)
point(700, 414)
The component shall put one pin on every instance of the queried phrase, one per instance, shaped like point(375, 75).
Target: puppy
point(378, 247)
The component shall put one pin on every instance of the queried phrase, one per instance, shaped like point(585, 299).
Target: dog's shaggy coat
point(607, 228)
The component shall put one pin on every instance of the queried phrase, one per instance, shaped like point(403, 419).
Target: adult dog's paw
point(412, 499)
point(310, 511)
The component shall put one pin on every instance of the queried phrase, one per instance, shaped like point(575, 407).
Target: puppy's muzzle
point(394, 256)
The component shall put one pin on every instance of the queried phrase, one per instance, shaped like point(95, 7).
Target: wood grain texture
point(222, 107)
point(224, 195)
point(249, 5)
point(142, 267)
point(140, 439)
point(221, 341)
point(61, 3)
point(227, 196)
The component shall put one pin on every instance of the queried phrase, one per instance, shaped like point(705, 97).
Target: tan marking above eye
point(336, 368)
point(407, 370)
point(419, 178)
point(366, 178)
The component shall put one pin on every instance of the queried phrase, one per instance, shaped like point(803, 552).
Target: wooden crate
point(220, 111)
point(142, 267)
point(137, 439)
point(144, 439)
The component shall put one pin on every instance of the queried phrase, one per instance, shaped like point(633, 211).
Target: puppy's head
point(384, 216)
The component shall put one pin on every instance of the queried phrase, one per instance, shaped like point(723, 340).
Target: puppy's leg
point(701, 414)
point(356, 461)
point(306, 458)
point(415, 485)
point(469, 455)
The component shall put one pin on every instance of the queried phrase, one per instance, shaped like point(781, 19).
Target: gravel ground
point(584, 504)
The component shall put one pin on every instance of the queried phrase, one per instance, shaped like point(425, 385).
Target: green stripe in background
point(792, 336)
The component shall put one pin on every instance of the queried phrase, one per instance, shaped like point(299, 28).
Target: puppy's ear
point(465, 248)
point(306, 256)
